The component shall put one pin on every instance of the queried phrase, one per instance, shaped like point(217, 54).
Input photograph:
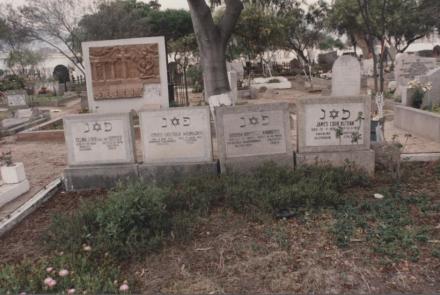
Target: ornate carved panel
point(122, 71)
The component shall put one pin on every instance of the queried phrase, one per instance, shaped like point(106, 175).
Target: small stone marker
point(16, 99)
point(335, 129)
point(346, 76)
point(233, 83)
point(248, 136)
point(125, 75)
point(94, 139)
point(178, 135)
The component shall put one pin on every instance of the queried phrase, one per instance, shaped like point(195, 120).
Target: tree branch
point(232, 14)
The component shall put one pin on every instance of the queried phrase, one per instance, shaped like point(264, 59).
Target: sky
point(165, 3)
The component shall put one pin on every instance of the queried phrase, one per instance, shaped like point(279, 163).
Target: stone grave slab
point(99, 139)
point(346, 76)
point(16, 99)
point(250, 135)
point(335, 129)
point(124, 75)
point(176, 142)
point(433, 77)
point(409, 66)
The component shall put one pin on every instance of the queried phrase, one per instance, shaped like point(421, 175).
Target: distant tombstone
point(335, 129)
point(16, 99)
point(407, 67)
point(236, 66)
point(248, 136)
point(436, 51)
point(103, 139)
point(233, 83)
point(125, 75)
point(346, 76)
point(61, 74)
point(177, 135)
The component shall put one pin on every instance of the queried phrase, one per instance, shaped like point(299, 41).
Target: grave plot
point(335, 129)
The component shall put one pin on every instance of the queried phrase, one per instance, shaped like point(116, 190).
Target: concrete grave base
point(9, 192)
point(362, 159)
point(417, 122)
point(246, 165)
point(97, 177)
point(175, 172)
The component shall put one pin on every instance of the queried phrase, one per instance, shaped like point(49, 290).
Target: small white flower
point(52, 283)
point(87, 248)
point(49, 269)
point(124, 287)
point(71, 291)
point(47, 281)
point(63, 273)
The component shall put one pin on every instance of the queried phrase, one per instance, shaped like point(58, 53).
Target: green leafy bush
point(141, 217)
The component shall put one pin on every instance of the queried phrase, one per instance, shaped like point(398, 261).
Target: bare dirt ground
point(43, 161)
point(230, 254)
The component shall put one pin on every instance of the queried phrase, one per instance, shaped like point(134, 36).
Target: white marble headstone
point(177, 135)
point(346, 76)
point(334, 124)
point(93, 139)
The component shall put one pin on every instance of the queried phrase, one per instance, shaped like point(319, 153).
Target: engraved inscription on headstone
point(176, 135)
point(99, 139)
point(409, 67)
point(334, 124)
point(254, 133)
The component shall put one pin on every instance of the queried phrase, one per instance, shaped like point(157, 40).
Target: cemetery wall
point(417, 122)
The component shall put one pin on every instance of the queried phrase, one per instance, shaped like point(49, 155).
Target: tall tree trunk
point(212, 40)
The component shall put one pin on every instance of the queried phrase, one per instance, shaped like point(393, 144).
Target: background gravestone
point(335, 129)
point(125, 75)
point(407, 67)
point(16, 99)
point(248, 136)
point(346, 76)
point(100, 150)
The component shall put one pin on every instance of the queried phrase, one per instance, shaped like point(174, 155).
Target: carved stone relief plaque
point(120, 72)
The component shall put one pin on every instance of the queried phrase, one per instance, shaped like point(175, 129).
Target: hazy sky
point(165, 3)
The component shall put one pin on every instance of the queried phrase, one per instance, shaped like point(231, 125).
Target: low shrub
point(141, 217)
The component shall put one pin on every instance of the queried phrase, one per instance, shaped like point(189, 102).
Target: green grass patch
point(386, 224)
